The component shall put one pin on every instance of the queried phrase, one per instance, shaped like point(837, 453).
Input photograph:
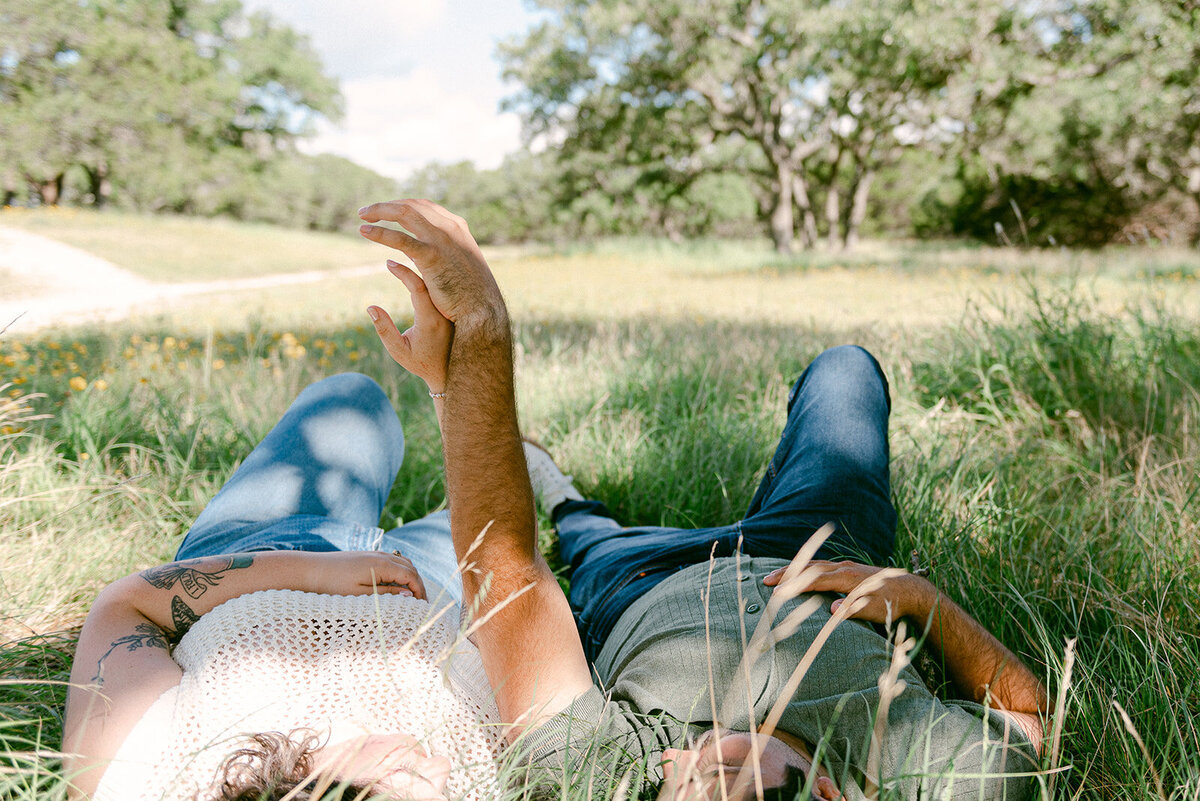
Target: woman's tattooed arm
point(194, 577)
point(146, 635)
point(123, 661)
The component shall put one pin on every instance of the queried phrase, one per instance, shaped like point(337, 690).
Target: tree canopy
point(811, 100)
point(163, 105)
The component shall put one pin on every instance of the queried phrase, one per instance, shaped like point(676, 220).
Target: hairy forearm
point(523, 625)
point(486, 481)
point(980, 666)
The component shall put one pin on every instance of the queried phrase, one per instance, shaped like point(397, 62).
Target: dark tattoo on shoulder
point(147, 635)
point(195, 580)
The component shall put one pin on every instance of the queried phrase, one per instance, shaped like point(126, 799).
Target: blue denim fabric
point(831, 465)
point(318, 482)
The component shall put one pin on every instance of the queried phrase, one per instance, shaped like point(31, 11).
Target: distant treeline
point(1070, 122)
point(181, 106)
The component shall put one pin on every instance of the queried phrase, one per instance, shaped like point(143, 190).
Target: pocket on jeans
point(603, 612)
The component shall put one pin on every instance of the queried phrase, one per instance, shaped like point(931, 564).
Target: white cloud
point(363, 38)
point(396, 125)
point(419, 78)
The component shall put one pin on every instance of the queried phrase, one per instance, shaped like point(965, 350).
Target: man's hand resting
point(980, 666)
point(902, 595)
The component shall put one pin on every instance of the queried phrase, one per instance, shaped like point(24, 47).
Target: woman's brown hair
point(275, 765)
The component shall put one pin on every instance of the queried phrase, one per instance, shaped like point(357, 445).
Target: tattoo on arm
point(147, 635)
point(182, 618)
point(194, 580)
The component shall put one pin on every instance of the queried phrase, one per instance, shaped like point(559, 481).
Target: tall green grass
point(1046, 468)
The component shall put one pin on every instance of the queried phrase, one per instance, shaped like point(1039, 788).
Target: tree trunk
point(98, 185)
point(833, 205)
point(833, 215)
point(808, 220)
point(1196, 230)
point(50, 191)
point(1192, 188)
point(783, 223)
point(858, 206)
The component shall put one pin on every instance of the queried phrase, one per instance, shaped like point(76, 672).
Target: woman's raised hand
point(424, 349)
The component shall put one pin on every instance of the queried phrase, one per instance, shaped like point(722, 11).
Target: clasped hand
point(454, 292)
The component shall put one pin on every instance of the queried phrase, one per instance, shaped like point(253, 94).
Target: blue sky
point(420, 78)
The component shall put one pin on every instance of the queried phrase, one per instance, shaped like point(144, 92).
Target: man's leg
point(327, 465)
point(612, 565)
point(831, 465)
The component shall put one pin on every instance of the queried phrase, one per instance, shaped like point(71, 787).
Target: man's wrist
point(925, 607)
point(490, 324)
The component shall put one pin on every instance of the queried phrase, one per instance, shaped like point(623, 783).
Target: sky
point(420, 78)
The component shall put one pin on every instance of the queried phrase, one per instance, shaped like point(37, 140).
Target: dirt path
point(44, 283)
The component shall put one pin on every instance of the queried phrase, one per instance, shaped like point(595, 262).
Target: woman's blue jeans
point(831, 466)
point(319, 481)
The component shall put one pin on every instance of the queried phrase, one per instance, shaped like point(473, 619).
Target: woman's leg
point(324, 470)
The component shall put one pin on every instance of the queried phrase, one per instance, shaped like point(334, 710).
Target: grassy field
point(182, 249)
point(1046, 441)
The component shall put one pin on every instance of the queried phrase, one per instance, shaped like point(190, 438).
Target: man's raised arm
point(529, 643)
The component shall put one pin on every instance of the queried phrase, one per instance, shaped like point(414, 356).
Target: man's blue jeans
point(318, 482)
point(831, 465)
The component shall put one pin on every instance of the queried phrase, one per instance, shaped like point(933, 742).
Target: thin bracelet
point(437, 395)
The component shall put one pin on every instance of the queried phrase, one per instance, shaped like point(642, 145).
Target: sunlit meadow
point(1046, 442)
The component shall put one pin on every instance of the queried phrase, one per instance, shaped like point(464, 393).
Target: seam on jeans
point(377, 540)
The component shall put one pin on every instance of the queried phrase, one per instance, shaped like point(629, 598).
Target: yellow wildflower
point(78, 383)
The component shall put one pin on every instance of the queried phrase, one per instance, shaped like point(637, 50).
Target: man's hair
point(793, 782)
point(275, 764)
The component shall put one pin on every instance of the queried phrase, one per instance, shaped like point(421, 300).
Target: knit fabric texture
point(279, 660)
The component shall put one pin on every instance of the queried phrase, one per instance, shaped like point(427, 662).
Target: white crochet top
point(279, 660)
